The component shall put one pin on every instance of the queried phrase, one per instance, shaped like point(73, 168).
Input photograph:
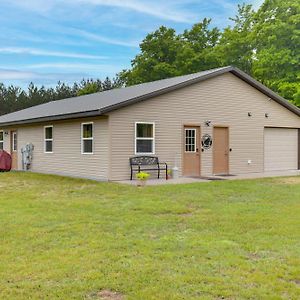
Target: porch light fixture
point(208, 123)
point(6, 133)
point(266, 115)
point(249, 114)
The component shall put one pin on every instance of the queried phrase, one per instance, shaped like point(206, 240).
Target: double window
point(48, 143)
point(144, 138)
point(87, 138)
point(1, 140)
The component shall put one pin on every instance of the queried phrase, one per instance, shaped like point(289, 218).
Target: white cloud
point(159, 9)
point(103, 39)
point(107, 68)
point(24, 77)
point(15, 75)
point(39, 52)
point(33, 5)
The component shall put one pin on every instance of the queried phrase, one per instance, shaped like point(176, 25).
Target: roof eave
point(85, 114)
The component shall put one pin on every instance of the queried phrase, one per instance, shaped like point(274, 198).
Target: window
point(14, 142)
point(87, 138)
point(144, 138)
point(1, 140)
point(190, 140)
point(48, 139)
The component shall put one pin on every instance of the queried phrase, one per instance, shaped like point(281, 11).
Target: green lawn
point(65, 238)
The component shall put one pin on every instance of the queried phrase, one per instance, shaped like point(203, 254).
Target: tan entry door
point(191, 148)
point(221, 150)
point(14, 149)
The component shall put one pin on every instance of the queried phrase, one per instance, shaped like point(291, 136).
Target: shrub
point(142, 176)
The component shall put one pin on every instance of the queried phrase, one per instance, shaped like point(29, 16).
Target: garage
point(280, 149)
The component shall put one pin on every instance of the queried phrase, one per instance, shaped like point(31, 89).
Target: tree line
point(14, 98)
point(263, 43)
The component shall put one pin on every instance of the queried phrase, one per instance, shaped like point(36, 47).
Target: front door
point(191, 156)
point(221, 150)
point(14, 150)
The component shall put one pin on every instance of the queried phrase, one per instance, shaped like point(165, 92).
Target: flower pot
point(141, 183)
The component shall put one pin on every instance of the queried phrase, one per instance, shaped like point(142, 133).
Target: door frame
point(228, 143)
point(191, 125)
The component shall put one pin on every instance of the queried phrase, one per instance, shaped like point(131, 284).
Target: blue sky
point(48, 41)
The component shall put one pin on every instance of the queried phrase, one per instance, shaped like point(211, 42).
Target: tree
point(166, 54)
point(235, 46)
point(157, 58)
point(277, 42)
point(89, 88)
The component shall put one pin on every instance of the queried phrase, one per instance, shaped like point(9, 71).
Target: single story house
point(219, 121)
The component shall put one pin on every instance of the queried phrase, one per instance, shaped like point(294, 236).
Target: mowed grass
point(64, 238)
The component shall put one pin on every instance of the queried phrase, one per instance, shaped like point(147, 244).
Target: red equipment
point(5, 161)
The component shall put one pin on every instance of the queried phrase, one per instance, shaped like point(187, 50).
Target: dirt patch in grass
point(290, 180)
point(296, 281)
point(106, 295)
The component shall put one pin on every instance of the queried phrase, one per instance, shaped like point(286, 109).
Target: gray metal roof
point(104, 102)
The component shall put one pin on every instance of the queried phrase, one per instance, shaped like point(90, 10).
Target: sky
point(46, 41)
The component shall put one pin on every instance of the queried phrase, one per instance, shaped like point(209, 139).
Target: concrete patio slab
point(181, 180)
point(185, 180)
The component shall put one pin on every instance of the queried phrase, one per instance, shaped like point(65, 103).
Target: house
point(219, 121)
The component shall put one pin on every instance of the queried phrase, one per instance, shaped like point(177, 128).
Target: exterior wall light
point(208, 123)
point(6, 133)
point(266, 115)
point(249, 114)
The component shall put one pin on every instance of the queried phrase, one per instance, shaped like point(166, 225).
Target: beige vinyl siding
point(66, 158)
point(225, 100)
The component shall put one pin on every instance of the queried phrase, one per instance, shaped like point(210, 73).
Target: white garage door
point(281, 149)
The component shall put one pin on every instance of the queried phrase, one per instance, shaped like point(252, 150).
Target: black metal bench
point(139, 163)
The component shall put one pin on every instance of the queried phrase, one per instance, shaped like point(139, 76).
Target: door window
point(190, 140)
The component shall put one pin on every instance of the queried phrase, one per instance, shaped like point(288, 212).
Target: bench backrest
point(143, 160)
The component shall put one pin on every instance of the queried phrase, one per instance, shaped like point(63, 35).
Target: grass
point(65, 238)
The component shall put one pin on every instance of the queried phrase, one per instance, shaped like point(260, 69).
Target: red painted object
point(5, 161)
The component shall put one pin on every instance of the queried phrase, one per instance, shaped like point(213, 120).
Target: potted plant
point(142, 178)
point(169, 174)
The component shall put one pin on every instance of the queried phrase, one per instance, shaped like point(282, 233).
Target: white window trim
point(195, 129)
point(2, 141)
point(151, 139)
point(14, 149)
point(87, 139)
point(48, 140)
